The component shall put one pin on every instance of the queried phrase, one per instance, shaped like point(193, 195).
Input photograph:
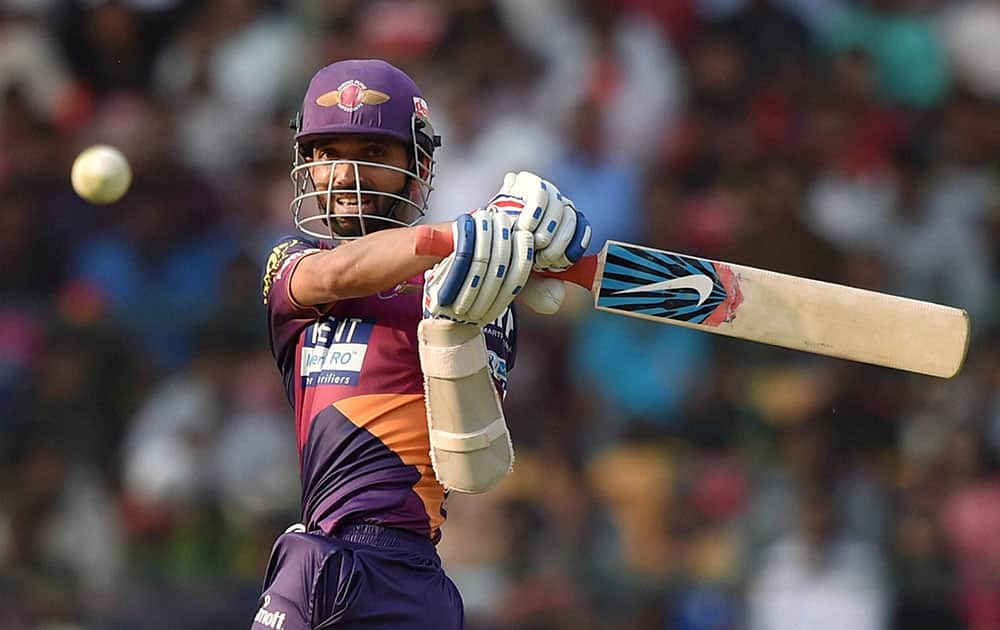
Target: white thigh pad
point(471, 448)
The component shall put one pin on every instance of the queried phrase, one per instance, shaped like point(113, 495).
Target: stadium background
point(665, 478)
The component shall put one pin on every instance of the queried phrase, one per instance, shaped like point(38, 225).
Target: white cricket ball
point(101, 174)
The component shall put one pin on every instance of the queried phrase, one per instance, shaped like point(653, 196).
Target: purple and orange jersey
point(352, 374)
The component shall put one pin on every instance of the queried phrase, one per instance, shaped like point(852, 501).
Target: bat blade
point(763, 306)
point(781, 310)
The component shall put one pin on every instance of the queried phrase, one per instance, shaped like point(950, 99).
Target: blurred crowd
point(664, 478)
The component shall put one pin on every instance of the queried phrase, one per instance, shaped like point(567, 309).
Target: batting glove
point(486, 271)
point(561, 232)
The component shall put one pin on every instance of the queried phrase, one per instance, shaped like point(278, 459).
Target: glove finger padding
point(562, 233)
point(517, 274)
point(572, 252)
point(447, 277)
point(543, 211)
point(481, 251)
point(581, 239)
point(555, 214)
point(552, 253)
point(542, 208)
point(496, 270)
point(471, 449)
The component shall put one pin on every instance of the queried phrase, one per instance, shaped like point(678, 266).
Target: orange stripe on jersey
point(400, 422)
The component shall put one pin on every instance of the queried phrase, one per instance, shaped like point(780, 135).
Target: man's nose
point(344, 175)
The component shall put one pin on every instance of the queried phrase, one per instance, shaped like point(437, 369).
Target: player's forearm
point(377, 262)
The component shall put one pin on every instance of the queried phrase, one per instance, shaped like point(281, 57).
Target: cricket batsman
point(395, 364)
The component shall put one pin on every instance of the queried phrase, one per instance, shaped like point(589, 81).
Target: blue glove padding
point(488, 268)
point(464, 232)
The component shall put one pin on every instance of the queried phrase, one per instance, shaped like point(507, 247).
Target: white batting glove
point(489, 267)
point(561, 232)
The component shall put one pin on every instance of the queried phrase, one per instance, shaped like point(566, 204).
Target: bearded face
point(360, 185)
point(357, 180)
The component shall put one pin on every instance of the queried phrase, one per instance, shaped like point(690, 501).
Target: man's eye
point(375, 150)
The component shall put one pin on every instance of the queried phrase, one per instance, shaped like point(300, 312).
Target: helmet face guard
point(361, 98)
point(314, 202)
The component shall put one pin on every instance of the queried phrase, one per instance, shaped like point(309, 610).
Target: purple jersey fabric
point(352, 374)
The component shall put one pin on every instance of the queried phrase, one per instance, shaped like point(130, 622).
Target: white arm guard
point(470, 446)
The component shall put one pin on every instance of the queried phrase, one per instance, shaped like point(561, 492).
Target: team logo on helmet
point(420, 107)
point(351, 96)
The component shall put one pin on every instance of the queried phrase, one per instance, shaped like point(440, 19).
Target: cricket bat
point(762, 306)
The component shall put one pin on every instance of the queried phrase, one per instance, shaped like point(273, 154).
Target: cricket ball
point(101, 174)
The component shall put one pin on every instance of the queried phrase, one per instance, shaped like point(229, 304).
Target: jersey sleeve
point(501, 347)
point(285, 316)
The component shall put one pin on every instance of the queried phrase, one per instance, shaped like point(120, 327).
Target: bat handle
point(439, 242)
